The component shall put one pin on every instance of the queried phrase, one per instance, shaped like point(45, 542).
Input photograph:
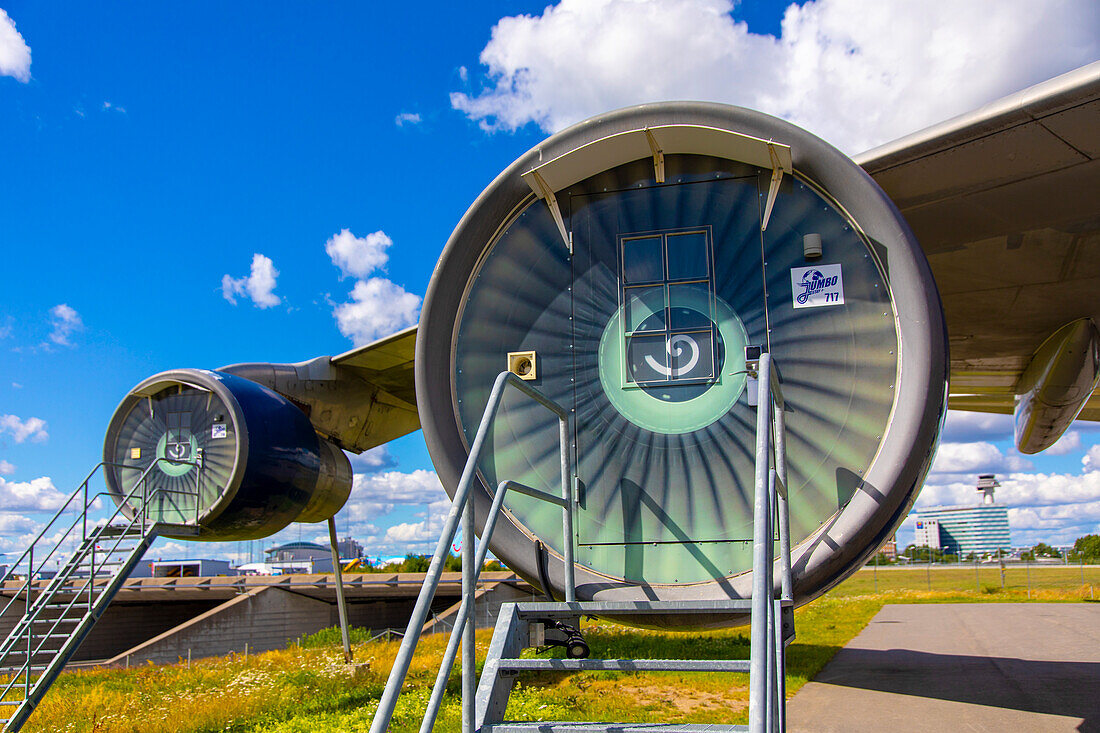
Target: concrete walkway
point(961, 667)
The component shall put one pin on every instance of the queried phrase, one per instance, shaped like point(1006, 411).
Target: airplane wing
point(387, 362)
point(1005, 202)
point(359, 399)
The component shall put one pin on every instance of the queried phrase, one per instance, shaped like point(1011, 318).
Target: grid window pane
point(689, 306)
point(692, 355)
point(645, 308)
point(643, 260)
point(647, 359)
point(687, 256)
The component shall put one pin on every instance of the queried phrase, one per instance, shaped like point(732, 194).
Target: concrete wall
point(263, 618)
point(123, 625)
point(216, 616)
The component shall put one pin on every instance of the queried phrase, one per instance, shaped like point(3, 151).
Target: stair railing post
point(465, 611)
point(91, 572)
point(401, 662)
point(469, 574)
point(567, 510)
point(30, 578)
point(784, 521)
point(760, 640)
point(84, 512)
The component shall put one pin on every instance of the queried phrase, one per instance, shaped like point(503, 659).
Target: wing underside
point(1005, 204)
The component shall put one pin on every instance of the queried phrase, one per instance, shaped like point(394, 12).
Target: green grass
point(307, 687)
point(1017, 579)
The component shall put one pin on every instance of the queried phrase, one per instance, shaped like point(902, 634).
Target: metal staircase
point(524, 625)
point(53, 615)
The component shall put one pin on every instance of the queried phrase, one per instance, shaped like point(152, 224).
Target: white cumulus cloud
point(1068, 443)
point(38, 495)
point(374, 460)
point(418, 537)
point(15, 524)
point(258, 285)
point(407, 118)
point(6, 469)
point(358, 256)
point(856, 72)
point(975, 458)
point(378, 307)
point(1091, 459)
point(375, 494)
point(968, 427)
point(65, 321)
point(33, 428)
point(15, 54)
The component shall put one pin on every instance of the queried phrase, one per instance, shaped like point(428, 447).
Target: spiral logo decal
point(679, 382)
point(675, 350)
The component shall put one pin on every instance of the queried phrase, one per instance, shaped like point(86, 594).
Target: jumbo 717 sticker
point(820, 285)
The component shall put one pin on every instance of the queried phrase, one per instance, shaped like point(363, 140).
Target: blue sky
point(150, 153)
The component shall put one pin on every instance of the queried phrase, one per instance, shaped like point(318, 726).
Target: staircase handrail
point(465, 609)
point(83, 487)
point(140, 483)
point(32, 609)
point(460, 505)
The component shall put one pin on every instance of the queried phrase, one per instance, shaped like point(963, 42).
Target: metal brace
point(658, 157)
point(773, 188)
point(547, 195)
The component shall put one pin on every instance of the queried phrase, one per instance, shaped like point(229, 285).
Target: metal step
point(35, 653)
point(22, 669)
point(566, 727)
point(111, 551)
point(116, 531)
point(626, 665)
point(610, 608)
point(176, 529)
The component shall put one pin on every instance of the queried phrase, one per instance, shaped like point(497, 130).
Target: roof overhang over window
point(656, 142)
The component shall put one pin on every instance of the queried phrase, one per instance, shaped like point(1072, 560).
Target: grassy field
point(308, 688)
point(968, 577)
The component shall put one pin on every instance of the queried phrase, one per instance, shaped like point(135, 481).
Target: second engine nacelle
point(232, 457)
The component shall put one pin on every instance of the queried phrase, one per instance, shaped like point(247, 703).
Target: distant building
point(195, 568)
point(287, 567)
point(928, 532)
point(962, 530)
point(890, 549)
point(349, 549)
point(190, 568)
point(298, 551)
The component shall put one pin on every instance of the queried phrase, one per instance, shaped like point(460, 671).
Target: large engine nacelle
point(626, 263)
point(233, 458)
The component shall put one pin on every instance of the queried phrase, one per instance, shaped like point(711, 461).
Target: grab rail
point(461, 505)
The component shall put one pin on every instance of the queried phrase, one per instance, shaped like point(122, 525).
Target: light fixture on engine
point(522, 364)
point(811, 246)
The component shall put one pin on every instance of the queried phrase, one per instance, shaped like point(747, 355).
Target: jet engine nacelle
point(627, 263)
point(232, 457)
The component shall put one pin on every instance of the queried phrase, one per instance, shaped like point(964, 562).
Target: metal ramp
point(523, 625)
point(92, 561)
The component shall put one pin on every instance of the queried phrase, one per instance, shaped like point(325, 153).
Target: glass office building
point(981, 529)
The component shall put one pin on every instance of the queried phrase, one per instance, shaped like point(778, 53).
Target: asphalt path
point(961, 667)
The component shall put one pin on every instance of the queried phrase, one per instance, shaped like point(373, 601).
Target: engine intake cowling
point(232, 457)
